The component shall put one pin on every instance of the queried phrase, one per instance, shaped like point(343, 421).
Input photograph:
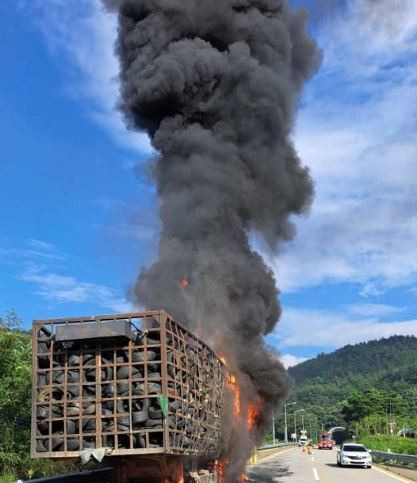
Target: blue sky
point(79, 215)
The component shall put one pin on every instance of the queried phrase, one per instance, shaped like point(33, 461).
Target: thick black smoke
point(215, 84)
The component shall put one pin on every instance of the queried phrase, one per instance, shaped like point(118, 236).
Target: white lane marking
point(316, 475)
point(312, 458)
point(395, 477)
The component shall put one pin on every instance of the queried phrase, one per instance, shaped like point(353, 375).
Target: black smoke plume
point(215, 84)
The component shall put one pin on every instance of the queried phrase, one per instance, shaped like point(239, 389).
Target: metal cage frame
point(103, 392)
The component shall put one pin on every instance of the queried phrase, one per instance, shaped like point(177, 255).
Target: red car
point(325, 441)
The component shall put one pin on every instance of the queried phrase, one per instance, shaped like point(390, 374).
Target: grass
point(8, 478)
point(395, 444)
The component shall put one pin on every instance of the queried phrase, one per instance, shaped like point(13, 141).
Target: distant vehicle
point(325, 441)
point(303, 440)
point(354, 455)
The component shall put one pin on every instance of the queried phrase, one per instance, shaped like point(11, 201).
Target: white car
point(351, 454)
point(303, 440)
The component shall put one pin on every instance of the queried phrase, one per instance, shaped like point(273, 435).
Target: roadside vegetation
point(369, 388)
point(394, 444)
point(15, 405)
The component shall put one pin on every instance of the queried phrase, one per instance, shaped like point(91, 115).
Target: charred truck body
point(137, 384)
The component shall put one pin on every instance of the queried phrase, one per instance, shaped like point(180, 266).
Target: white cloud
point(356, 132)
point(289, 360)
point(41, 249)
point(367, 33)
point(42, 265)
point(58, 288)
point(13, 254)
point(316, 328)
point(81, 36)
point(389, 23)
point(373, 310)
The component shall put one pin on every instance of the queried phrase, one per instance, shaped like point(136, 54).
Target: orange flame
point(253, 414)
point(185, 282)
point(234, 388)
point(221, 470)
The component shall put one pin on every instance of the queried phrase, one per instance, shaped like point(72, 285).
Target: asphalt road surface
point(293, 466)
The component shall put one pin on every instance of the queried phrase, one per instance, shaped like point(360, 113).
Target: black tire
point(155, 413)
point(338, 463)
point(40, 448)
point(73, 445)
point(140, 416)
point(153, 423)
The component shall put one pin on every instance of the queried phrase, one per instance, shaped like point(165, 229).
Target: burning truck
point(138, 385)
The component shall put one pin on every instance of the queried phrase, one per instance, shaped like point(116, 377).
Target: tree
point(15, 395)
point(15, 406)
point(11, 321)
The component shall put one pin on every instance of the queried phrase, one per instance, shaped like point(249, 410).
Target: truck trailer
point(139, 389)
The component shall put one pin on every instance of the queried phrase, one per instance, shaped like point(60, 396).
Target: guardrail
point(273, 446)
point(401, 458)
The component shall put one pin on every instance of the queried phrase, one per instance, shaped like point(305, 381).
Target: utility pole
point(273, 427)
point(311, 427)
point(285, 419)
point(295, 422)
point(391, 418)
point(285, 422)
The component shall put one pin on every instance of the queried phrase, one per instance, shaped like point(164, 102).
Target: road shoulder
point(407, 474)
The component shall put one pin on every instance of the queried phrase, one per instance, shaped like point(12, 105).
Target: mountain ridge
point(380, 354)
point(387, 364)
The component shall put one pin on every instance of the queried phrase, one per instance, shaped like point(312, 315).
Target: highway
point(293, 466)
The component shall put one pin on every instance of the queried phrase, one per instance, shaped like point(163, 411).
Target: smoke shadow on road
point(269, 472)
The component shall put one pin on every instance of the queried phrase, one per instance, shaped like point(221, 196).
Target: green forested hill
point(385, 364)
point(358, 383)
point(365, 358)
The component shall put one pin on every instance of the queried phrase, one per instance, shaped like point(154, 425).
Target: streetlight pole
point(295, 421)
point(285, 419)
point(316, 421)
point(311, 428)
